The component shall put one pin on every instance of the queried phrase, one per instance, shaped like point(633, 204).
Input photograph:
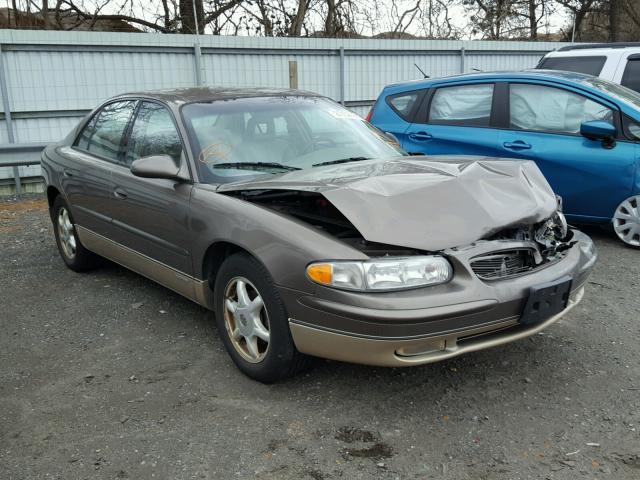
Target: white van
point(616, 62)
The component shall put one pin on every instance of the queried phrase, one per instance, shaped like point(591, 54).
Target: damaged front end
point(520, 250)
point(510, 252)
point(315, 210)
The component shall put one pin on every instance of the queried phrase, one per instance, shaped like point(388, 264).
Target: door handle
point(420, 136)
point(67, 172)
point(120, 193)
point(517, 145)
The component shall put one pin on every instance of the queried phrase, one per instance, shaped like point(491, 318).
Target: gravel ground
point(108, 375)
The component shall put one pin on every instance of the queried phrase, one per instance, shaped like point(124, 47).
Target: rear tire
point(74, 255)
point(253, 322)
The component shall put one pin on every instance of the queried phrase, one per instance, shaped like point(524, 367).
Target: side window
point(549, 109)
point(631, 76)
point(467, 105)
point(153, 133)
point(590, 65)
point(632, 128)
point(403, 103)
point(103, 134)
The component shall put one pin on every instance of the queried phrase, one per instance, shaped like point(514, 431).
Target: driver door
point(544, 126)
point(151, 215)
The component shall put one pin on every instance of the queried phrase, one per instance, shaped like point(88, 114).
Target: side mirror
point(599, 130)
point(156, 166)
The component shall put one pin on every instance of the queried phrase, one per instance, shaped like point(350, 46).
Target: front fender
point(283, 244)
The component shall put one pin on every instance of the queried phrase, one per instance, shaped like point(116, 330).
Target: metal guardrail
point(20, 155)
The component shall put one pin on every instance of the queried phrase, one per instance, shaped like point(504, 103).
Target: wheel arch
point(216, 254)
point(52, 193)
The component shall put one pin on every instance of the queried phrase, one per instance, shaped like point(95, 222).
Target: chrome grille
point(499, 265)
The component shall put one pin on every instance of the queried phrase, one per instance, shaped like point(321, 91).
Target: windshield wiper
point(255, 166)
point(341, 160)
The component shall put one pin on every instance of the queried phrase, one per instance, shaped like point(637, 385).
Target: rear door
point(457, 119)
point(87, 178)
point(544, 126)
point(151, 215)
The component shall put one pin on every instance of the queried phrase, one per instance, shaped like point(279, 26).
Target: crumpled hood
point(427, 203)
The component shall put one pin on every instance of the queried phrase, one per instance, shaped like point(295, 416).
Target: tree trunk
point(45, 14)
point(15, 14)
point(615, 20)
point(533, 24)
point(330, 21)
point(298, 20)
point(188, 20)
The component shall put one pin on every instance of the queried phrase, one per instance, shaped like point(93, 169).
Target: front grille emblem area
point(504, 264)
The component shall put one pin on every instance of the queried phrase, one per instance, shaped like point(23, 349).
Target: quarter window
point(153, 133)
point(589, 65)
point(468, 105)
point(631, 76)
point(548, 109)
point(403, 103)
point(102, 136)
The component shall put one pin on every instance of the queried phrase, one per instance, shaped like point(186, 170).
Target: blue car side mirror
point(599, 130)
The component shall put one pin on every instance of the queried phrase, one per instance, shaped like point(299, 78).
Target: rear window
point(589, 65)
point(631, 76)
point(403, 103)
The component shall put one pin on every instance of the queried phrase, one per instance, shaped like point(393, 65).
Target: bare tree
point(491, 18)
point(580, 9)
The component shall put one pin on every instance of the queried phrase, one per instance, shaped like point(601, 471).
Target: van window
point(589, 65)
point(631, 76)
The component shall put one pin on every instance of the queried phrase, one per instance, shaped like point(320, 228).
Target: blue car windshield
point(619, 92)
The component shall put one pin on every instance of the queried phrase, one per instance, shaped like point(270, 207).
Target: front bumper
point(431, 324)
point(404, 353)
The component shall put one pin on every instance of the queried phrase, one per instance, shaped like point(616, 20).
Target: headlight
point(382, 274)
point(554, 230)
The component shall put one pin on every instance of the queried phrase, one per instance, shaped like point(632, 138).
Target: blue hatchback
point(582, 131)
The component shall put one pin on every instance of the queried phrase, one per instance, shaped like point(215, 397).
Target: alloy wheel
point(246, 319)
point(66, 233)
point(626, 221)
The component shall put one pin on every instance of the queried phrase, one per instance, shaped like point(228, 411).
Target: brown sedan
point(309, 232)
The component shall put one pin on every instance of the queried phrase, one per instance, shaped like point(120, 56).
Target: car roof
point(208, 94)
point(608, 46)
point(574, 77)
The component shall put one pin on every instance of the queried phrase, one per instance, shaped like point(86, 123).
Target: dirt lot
point(107, 375)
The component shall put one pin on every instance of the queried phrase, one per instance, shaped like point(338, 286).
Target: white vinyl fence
point(49, 80)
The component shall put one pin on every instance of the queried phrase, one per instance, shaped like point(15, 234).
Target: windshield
point(239, 139)
point(621, 93)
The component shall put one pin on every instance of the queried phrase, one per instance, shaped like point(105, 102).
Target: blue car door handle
point(420, 136)
point(517, 145)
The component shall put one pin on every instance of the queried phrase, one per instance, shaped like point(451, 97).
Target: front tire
point(75, 256)
point(253, 321)
point(626, 221)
